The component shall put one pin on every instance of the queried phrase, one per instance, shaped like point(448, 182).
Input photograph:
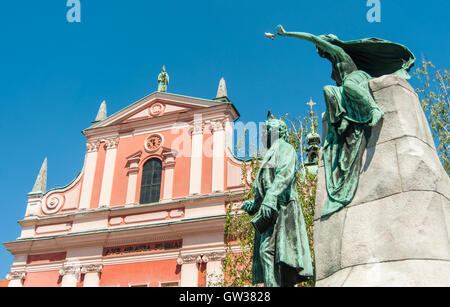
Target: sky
point(54, 74)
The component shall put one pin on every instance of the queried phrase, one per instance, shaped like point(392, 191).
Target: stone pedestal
point(396, 230)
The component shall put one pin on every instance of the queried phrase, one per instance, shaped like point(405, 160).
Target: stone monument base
point(396, 230)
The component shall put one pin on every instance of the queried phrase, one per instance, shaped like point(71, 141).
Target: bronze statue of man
point(281, 252)
point(163, 80)
point(351, 109)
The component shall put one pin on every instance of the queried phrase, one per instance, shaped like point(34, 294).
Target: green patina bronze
point(163, 80)
point(351, 109)
point(281, 253)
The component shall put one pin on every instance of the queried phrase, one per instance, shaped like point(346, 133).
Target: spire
point(222, 91)
point(311, 103)
point(312, 139)
point(40, 186)
point(101, 115)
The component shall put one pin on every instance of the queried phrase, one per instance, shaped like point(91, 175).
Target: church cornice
point(162, 122)
point(130, 209)
point(197, 103)
point(108, 237)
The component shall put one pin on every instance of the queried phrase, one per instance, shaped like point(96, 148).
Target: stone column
point(218, 167)
point(189, 270)
point(16, 279)
point(91, 275)
point(195, 182)
point(133, 171)
point(70, 276)
point(89, 172)
point(214, 271)
point(108, 171)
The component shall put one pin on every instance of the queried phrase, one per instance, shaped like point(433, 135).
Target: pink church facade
point(148, 207)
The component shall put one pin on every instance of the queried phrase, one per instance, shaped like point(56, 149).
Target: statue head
point(273, 130)
point(331, 38)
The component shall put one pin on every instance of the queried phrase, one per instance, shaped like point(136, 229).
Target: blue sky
point(55, 74)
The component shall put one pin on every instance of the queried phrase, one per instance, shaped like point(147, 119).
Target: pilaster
point(189, 270)
point(218, 167)
point(108, 171)
point(133, 171)
point(89, 172)
point(168, 166)
point(214, 271)
point(91, 274)
point(195, 181)
point(70, 275)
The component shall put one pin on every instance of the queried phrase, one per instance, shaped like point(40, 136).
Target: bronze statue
point(281, 253)
point(351, 109)
point(163, 80)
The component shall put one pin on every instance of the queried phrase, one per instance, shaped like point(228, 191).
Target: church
point(149, 206)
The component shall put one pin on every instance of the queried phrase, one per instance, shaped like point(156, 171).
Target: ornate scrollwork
point(69, 270)
point(202, 258)
point(197, 127)
point(186, 259)
point(92, 146)
point(92, 268)
point(156, 109)
point(111, 143)
point(215, 256)
point(53, 203)
point(217, 125)
point(16, 275)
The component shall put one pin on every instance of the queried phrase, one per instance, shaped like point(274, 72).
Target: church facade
point(148, 207)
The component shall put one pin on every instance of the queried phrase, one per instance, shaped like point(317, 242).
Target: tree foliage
point(435, 101)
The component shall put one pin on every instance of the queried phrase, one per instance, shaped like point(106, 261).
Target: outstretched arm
point(318, 41)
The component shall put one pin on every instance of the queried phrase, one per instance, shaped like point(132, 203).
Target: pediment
point(156, 109)
point(155, 105)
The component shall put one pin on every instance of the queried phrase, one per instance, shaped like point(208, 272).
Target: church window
point(151, 181)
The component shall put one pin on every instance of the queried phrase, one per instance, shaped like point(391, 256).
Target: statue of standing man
point(163, 80)
point(281, 252)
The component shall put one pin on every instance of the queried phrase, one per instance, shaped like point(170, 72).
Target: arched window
point(151, 181)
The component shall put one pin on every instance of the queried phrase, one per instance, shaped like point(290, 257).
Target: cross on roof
point(311, 104)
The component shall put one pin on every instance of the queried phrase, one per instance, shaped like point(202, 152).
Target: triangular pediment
point(157, 108)
point(153, 106)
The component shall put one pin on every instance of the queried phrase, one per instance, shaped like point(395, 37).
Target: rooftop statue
point(281, 252)
point(351, 109)
point(163, 80)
